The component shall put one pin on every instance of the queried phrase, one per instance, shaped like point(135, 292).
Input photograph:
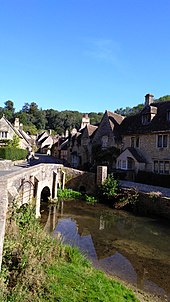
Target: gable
point(133, 153)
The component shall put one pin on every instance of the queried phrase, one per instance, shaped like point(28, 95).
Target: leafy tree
point(26, 108)
point(95, 118)
point(9, 105)
point(163, 98)
point(9, 110)
point(129, 111)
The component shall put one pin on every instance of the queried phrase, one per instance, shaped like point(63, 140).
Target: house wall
point(149, 149)
point(4, 127)
point(104, 129)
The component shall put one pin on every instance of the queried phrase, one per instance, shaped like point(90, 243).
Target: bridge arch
point(45, 194)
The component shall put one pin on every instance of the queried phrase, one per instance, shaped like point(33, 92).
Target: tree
point(9, 110)
point(9, 105)
point(26, 108)
point(163, 98)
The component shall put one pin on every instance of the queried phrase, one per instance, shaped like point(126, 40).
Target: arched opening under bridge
point(45, 194)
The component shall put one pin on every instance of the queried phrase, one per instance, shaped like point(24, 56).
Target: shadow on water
point(135, 249)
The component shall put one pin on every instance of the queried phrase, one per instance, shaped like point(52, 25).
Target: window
point(124, 164)
point(162, 167)
point(162, 141)
point(168, 115)
point(135, 141)
point(119, 164)
point(166, 167)
point(3, 134)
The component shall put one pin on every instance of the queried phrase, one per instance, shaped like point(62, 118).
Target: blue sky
point(85, 55)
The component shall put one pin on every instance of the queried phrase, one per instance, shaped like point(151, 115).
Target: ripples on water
point(136, 249)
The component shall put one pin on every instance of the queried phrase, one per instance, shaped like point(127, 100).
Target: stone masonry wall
point(76, 179)
point(148, 147)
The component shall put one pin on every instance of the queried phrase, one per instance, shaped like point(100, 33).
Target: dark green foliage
point(13, 153)
point(151, 178)
point(163, 98)
point(104, 156)
point(129, 111)
point(109, 190)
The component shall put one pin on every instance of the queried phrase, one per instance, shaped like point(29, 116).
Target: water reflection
point(136, 249)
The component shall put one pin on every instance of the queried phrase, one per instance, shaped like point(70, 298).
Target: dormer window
point(146, 118)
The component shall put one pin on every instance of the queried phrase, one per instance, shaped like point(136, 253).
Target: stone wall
point(153, 200)
point(77, 180)
point(148, 147)
point(5, 165)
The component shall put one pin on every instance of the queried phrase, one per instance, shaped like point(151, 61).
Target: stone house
point(74, 151)
point(146, 139)
point(60, 149)
point(8, 131)
point(76, 154)
point(44, 142)
point(106, 141)
point(85, 149)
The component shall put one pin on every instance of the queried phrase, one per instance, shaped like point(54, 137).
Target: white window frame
point(161, 137)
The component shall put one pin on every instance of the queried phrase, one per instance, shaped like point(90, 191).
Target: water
point(135, 249)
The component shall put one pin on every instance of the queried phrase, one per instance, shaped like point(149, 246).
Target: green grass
point(37, 268)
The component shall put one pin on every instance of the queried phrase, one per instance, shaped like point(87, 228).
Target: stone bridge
point(37, 183)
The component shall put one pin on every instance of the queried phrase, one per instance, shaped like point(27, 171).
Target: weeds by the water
point(37, 268)
point(71, 194)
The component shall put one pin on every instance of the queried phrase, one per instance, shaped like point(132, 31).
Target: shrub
point(13, 153)
point(109, 189)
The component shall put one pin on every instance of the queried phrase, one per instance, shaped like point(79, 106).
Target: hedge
point(151, 178)
point(13, 153)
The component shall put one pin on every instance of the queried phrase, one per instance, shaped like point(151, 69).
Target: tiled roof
point(114, 117)
point(137, 155)
point(91, 129)
point(133, 124)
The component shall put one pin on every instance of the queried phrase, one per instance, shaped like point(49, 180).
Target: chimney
point(85, 121)
point(16, 123)
point(148, 99)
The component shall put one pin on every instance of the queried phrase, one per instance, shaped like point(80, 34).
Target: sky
point(84, 55)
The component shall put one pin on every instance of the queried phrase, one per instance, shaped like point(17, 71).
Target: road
point(39, 158)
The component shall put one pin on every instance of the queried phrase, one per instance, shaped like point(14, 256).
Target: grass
point(37, 268)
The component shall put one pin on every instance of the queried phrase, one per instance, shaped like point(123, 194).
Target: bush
point(13, 153)
point(109, 189)
point(151, 178)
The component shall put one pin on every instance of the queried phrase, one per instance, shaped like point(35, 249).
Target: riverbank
point(38, 268)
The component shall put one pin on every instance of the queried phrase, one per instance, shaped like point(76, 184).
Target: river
point(135, 249)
